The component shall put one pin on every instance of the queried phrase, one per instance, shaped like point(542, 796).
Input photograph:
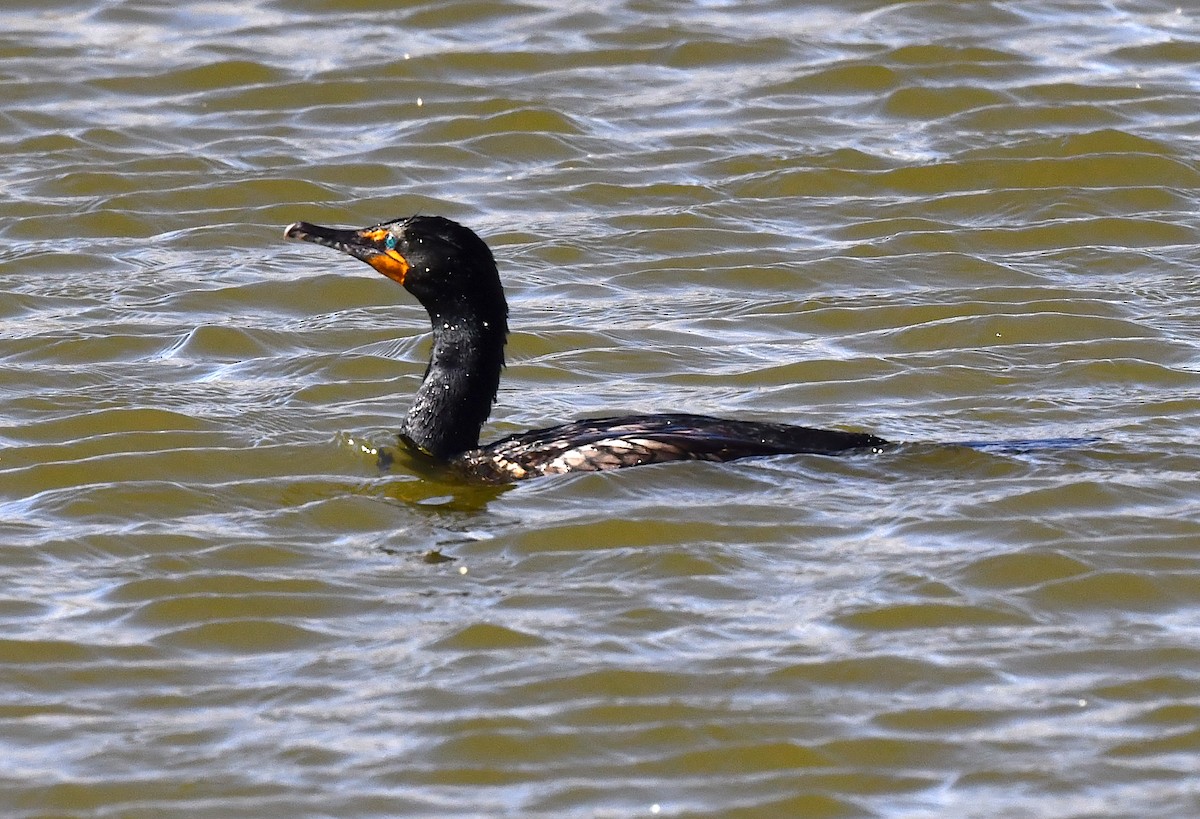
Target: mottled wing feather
point(595, 444)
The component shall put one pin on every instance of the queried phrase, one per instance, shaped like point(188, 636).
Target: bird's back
point(595, 444)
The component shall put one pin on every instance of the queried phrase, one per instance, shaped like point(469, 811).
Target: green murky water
point(934, 221)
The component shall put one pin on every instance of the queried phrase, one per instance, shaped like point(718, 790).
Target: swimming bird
point(452, 273)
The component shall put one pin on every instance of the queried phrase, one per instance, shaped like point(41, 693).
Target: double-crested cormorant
point(450, 270)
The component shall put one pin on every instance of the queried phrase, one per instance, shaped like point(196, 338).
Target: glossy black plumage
point(593, 444)
point(451, 272)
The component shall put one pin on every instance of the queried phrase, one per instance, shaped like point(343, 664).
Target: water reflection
point(942, 222)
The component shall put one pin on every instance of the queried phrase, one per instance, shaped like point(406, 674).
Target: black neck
point(460, 384)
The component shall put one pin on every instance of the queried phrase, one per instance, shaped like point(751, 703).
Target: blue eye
point(390, 243)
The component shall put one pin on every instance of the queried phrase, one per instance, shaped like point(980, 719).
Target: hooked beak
point(367, 244)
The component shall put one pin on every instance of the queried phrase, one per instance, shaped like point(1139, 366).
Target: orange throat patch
point(391, 264)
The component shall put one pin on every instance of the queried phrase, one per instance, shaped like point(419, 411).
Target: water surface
point(933, 221)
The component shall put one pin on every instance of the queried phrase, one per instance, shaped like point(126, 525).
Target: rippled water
point(934, 221)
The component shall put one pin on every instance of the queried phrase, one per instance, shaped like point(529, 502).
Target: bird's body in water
point(452, 273)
